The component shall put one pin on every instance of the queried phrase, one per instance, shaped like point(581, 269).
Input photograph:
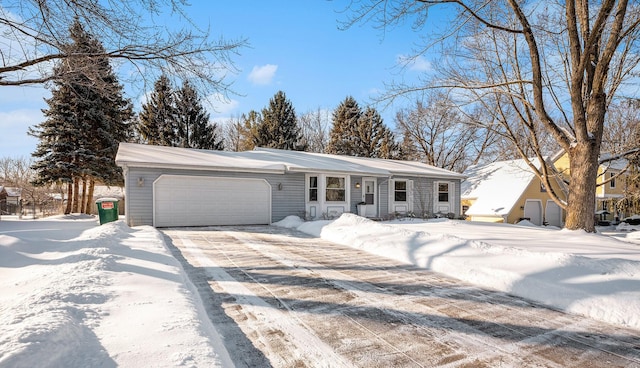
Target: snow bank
point(290, 222)
point(562, 269)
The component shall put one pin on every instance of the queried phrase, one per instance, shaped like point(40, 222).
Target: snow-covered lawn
point(76, 294)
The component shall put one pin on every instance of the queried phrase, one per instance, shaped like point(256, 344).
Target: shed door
point(180, 200)
point(533, 211)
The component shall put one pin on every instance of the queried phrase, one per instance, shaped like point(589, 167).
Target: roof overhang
point(154, 165)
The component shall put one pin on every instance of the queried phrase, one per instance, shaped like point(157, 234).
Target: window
point(313, 189)
point(612, 183)
point(400, 191)
point(335, 189)
point(443, 192)
point(543, 189)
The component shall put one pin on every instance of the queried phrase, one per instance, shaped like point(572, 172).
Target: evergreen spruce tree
point(343, 138)
point(389, 148)
point(157, 121)
point(54, 155)
point(361, 133)
point(192, 120)
point(86, 119)
point(373, 138)
point(279, 128)
point(250, 137)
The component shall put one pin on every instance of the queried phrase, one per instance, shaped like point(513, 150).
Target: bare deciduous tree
point(16, 172)
point(34, 33)
point(439, 134)
point(240, 132)
point(553, 66)
point(315, 126)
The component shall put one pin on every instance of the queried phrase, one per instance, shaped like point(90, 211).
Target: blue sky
point(295, 46)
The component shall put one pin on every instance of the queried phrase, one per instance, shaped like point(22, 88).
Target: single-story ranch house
point(170, 186)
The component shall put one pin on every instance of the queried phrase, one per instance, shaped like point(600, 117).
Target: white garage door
point(533, 211)
point(553, 214)
point(180, 200)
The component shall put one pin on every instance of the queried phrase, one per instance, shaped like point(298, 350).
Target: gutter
point(127, 165)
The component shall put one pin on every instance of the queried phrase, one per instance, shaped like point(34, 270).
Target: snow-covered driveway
point(284, 299)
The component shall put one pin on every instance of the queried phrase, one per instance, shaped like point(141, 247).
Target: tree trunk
point(67, 210)
point(583, 163)
point(92, 185)
point(84, 196)
point(76, 189)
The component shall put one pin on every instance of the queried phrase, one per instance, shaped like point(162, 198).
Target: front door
point(369, 197)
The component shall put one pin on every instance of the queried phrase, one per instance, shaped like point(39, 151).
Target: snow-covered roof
point(270, 161)
point(142, 155)
point(496, 187)
point(617, 164)
point(100, 191)
point(13, 192)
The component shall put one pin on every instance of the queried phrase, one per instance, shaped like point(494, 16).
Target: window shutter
point(410, 195)
point(391, 190)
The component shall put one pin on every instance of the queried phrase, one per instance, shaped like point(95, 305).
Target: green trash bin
point(107, 209)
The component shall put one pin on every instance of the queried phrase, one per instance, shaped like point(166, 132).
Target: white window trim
point(392, 197)
point(322, 206)
point(436, 196)
point(346, 187)
point(307, 188)
point(612, 182)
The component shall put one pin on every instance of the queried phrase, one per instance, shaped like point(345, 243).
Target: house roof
point(496, 187)
point(267, 160)
point(13, 192)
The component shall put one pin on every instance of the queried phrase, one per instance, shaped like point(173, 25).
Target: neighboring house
point(608, 195)
point(509, 191)
point(3, 201)
point(10, 200)
point(169, 186)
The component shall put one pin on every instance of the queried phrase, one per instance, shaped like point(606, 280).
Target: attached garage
point(180, 200)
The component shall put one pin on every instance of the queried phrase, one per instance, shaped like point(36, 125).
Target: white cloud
point(262, 74)
point(418, 63)
point(218, 105)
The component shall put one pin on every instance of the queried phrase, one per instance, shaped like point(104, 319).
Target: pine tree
point(370, 131)
point(279, 128)
point(86, 119)
point(373, 138)
point(249, 130)
point(54, 155)
point(157, 125)
point(343, 135)
point(389, 148)
point(192, 121)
